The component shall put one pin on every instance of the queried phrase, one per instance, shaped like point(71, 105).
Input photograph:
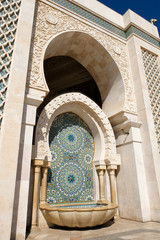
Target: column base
point(103, 201)
point(34, 228)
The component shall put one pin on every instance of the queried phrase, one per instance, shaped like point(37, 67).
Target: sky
point(145, 8)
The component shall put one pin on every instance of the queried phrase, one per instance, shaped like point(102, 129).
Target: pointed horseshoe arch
point(87, 110)
point(94, 56)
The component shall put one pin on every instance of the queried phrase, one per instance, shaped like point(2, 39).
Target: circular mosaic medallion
point(85, 158)
point(70, 177)
point(71, 138)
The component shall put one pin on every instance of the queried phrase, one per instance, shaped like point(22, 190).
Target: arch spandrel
point(93, 56)
point(96, 117)
point(46, 32)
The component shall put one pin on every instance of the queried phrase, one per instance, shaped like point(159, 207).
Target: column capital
point(113, 160)
point(41, 163)
point(37, 169)
point(111, 167)
point(100, 167)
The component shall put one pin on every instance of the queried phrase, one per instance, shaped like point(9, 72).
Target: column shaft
point(112, 184)
point(101, 184)
point(35, 195)
point(44, 184)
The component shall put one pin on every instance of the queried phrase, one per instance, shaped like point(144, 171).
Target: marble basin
point(78, 215)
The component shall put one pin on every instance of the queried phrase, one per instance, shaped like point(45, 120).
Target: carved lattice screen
point(152, 72)
point(9, 12)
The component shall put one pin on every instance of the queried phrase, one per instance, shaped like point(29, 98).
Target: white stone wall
point(150, 151)
point(138, 183)
point(11, 128)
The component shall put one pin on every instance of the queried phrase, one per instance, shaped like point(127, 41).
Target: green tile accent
point(138, 32)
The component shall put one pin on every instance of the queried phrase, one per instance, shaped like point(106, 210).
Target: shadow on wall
point(97, 61)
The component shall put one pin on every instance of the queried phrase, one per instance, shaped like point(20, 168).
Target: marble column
point(111, 171)
point(40, 166)
point(44, 184)
point(101, 171)
point(35, 196)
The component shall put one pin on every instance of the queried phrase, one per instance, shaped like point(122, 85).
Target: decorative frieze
point(45, 31)
point(104, 23)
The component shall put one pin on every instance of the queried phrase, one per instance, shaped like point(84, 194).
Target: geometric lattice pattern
point(152, 72)
point(70, 177)
point(9, 11)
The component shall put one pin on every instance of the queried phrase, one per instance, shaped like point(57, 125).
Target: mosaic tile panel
point(103, 23)
point(70, 177)
point(9, 12)
point(152, 72)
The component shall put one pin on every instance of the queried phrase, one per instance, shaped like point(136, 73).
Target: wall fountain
point(68, 179)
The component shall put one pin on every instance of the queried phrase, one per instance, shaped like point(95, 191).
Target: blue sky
point(147, 9)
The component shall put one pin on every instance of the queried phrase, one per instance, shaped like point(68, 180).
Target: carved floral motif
point(46, 118)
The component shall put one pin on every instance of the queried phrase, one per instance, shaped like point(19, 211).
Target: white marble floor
point(119, 230)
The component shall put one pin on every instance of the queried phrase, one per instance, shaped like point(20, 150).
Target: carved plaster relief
point(45, 30)
point(93, 110)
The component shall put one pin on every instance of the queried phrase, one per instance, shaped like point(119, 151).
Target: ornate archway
point(90, 113)
point(105, 156)
point(98, 62)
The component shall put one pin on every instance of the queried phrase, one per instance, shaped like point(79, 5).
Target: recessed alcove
point(74, 147)
point(79, 83)
point(64, 74)
point(70, 176)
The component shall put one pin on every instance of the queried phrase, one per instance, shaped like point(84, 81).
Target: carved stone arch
point(91, 54)
point(91, 113)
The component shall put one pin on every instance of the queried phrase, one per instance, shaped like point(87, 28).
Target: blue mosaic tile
point(70, 177)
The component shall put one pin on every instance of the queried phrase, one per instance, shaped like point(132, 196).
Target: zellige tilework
point(70, 178)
